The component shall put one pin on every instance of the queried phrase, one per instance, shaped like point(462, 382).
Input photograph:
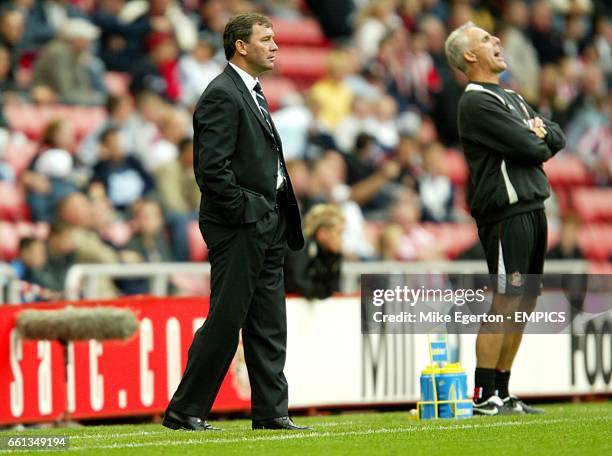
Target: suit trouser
point(247, 292)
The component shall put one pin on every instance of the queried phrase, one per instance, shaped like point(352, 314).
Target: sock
point(502, 378)
point(484, 384)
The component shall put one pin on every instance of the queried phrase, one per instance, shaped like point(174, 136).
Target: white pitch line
point(168, 431)
point(314, 434)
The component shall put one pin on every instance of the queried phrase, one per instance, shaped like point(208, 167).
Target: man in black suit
point(248, 214)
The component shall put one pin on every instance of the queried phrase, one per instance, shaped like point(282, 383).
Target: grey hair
point(455, 46)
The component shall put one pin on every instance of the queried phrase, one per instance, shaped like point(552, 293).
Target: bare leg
point(513, 336)
point(491, 338)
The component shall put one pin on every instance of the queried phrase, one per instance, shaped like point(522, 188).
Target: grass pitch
point(565, 429)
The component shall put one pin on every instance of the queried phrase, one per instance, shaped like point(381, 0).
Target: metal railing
point(9, 285)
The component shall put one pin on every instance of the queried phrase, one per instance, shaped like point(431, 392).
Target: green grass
point(565, 429)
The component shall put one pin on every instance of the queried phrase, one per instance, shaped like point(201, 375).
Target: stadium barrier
point(330, 363)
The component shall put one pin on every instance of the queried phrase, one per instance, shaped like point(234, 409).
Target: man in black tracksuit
point(505, 145)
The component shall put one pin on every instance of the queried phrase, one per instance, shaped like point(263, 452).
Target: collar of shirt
point(249, 81)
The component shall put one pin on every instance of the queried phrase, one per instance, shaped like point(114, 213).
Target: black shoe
point(282, 422)
point(516, 404)
point(490, 407)
point(176, 420)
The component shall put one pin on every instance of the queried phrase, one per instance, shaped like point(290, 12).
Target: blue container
point(451, 384)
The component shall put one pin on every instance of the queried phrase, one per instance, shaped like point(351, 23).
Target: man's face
point(261, 49)
point(485, 51)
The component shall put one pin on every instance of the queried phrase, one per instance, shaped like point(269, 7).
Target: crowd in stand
point(373, 136)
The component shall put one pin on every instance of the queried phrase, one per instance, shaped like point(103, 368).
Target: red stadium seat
point(593, 204)
point(456, 166)
point(197, 247)
point(19, 156)
point(567, 171)
point(10, 241)
point(13, 205)
point(275, 89)
point(595, 241)
point(299, 32)
point(304, 65)
point(31, 120)
point(455, 237)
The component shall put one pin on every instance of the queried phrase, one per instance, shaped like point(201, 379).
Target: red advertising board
point(104, 379)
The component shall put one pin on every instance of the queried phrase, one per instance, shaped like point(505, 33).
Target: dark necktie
point(263, 105)
point(265, 111)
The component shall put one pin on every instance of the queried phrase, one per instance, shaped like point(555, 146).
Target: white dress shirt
point(250, 82)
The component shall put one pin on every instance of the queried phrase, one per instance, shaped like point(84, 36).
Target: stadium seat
point(456, 167)
point(13, 205)
point(567, 170)
point(197, 247)
point(455, 237)
point(275, 89)
point(31, 119)
point(593, 204)
point(20, 155)
point(10, 241)
point(303, 64)
point(595, 241)
point(299, 32)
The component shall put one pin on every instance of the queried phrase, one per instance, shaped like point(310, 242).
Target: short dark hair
point(107, 132)
point(26, 242)
point(240, 27)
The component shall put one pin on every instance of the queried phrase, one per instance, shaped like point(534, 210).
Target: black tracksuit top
point(504, 156)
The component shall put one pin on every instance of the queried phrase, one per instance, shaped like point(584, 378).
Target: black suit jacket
point(235, 159)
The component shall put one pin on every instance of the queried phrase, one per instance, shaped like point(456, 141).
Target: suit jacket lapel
point(249, 101)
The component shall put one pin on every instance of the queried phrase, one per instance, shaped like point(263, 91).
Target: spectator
point(120, 115)
point(173, 127)
point(148, 240)
point(550, 104)
point(518, 50)
point(436, 190)
point(332, 96)
point(314, 271)
point(48, 177)
point(371, 185)
point(8, 86)
point(158, 71)
point(328, 185)
point(197, 69)
point(547, 41)
point(176, 183)
point(383, 124)
point(355, 123)
point(66, 67)
point(120, 42)
point(403, 238)
point(150, 111)
point(12, 23)
point(44, 19)
point(164, 16)
point(376, 19)
point(60, 255)
point(567, 248)
point(123, 177)
point(293, 122)
point(31, 260)
point(180, 197)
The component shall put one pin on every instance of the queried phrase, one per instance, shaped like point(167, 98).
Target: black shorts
point(515, 249)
